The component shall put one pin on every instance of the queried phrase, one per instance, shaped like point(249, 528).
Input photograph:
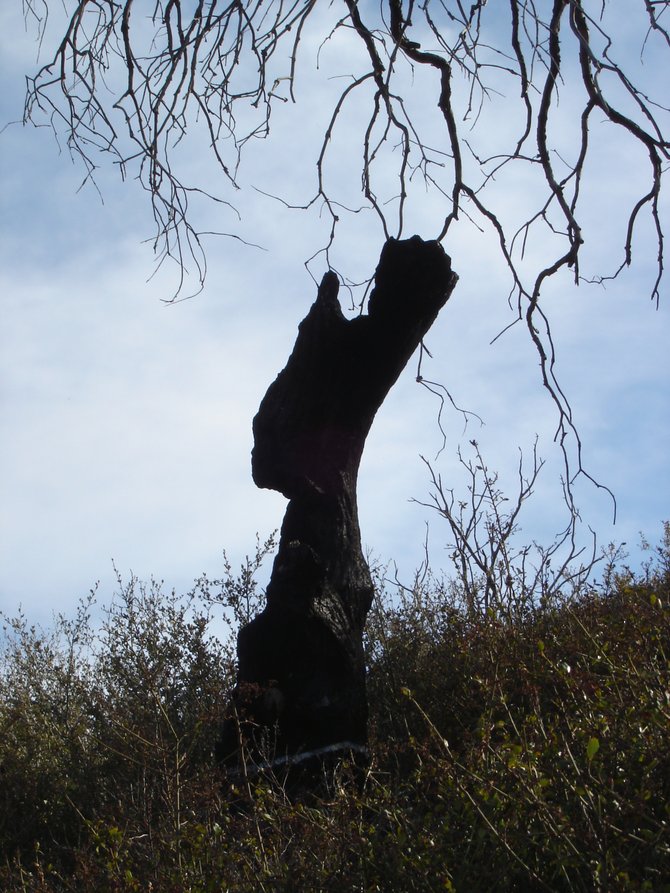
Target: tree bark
point(301, 669)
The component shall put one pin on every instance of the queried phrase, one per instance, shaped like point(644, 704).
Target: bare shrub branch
point(494, 573)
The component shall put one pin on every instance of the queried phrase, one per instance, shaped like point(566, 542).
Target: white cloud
point(126, 425)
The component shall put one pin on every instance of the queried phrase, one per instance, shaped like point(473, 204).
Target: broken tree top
point(303, 654)
point(311, 427)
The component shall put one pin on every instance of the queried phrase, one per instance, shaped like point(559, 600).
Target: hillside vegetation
point(518, 745)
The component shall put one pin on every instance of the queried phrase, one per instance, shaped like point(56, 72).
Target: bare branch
point(426, 78)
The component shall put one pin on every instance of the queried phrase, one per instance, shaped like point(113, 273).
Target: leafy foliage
point(512, 749)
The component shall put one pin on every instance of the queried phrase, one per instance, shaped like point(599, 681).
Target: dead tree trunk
point(301, 662)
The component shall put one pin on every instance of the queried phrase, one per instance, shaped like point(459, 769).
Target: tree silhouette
point(451, 100)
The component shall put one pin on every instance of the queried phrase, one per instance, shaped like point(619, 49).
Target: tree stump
point(300, 693)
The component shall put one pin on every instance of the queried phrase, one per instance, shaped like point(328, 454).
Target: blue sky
point(126, 424)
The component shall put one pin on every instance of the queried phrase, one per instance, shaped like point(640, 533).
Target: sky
point(125, 426)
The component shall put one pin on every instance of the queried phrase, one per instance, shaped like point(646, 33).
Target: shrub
point(109, 727)
point(512, 749)
point(544, 742)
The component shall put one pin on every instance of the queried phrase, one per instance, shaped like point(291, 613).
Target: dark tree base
point(300, 695)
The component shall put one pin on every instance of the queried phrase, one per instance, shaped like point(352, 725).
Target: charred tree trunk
point(301, 662)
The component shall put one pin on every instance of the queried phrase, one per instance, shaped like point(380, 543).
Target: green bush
point(513, 749)
point(106, 724)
